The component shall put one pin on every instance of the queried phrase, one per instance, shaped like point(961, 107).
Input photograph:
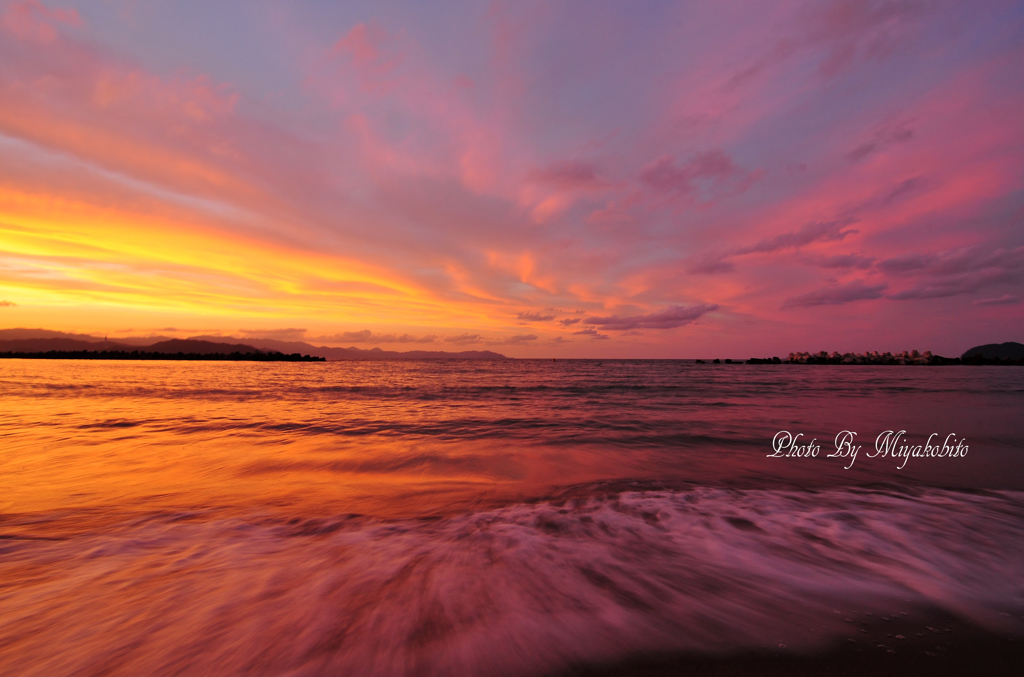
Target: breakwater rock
point(907, 357)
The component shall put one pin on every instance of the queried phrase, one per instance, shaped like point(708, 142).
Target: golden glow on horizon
point(59, 251)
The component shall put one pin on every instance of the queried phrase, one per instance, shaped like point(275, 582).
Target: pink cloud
point(374, 57)
point(33, 21)
point(197, 99)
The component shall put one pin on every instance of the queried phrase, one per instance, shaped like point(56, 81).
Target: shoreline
point(142, 355)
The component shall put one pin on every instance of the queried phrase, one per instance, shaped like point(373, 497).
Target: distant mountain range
point(44, 340)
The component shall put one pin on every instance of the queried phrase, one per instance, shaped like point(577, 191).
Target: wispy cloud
point(592, 333)
point(367, 336)
point(956, 272)
point(535, 317)
point(836, 295)
point(518, 339)
point(707, 176)
point(827, 231)
point(670, 318)
point(34, 21)
point(881, 140)
point(464, 339)
point(1004, 300)
point(857, 261)
point(283, 334)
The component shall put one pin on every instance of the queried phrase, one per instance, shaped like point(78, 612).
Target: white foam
point(518, 590)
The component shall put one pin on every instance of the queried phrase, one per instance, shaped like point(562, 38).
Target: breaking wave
point(526, 589)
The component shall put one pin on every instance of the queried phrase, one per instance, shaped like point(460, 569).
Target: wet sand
point(936, 644)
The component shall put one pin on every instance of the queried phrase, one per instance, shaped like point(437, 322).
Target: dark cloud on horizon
point(7, 304)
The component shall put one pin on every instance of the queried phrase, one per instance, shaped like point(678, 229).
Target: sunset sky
point(542, 179)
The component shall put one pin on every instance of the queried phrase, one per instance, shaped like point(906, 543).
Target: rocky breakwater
point(871, 357)
point(907, 357)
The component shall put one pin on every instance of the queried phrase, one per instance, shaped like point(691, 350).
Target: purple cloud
point(882, 139)
point(956, 285)
point(821, 231)
point(836, 295)
point(282, 334)
point(1004, 300)
point(535, 317)
point(592, 333)
point(847, 261)
point(956, 272)
point(518, 339)
point(463, 339)
point(569, 321)
point(569, 176)
point(708, 176)
point(712, 265)
point(367, 336)
point(670, 318)
point(954, 262)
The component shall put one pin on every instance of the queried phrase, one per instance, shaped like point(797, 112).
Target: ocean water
point(489, 518)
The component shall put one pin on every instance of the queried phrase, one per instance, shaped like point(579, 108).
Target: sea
point(509, 517)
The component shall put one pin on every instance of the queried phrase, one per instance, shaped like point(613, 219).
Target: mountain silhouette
point(1002, 351)
point(45, 340)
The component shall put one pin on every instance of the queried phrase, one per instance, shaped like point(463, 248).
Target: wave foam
point(518, 590)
